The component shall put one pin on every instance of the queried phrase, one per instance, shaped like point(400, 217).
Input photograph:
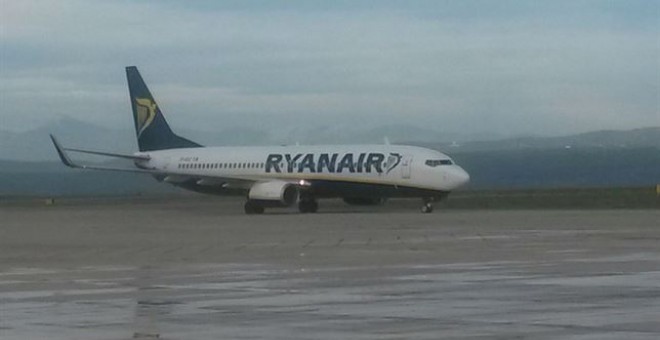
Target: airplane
point(278, 176)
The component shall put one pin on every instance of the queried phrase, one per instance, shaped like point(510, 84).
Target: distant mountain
point(345, 134)
point(606, 139)
point(561, 168)
point(54, 179)
point(35, 145)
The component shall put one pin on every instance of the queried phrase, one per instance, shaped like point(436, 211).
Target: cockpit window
point(438, 162)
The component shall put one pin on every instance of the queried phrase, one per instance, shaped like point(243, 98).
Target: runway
point(200, 269)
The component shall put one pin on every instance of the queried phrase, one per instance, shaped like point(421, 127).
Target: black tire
point(252, 208)
point(427, 209)
point(313, 206)
point(308, 206)
point(303, 207)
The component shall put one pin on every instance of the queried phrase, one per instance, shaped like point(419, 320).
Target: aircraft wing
point(64, 157)
point(209, 181)
point(224, 182)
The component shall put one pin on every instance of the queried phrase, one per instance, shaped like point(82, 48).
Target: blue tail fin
point(152, 130)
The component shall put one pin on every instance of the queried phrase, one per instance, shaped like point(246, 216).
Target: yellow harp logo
point(146, 112)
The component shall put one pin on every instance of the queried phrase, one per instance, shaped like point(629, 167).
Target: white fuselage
point(391, 165)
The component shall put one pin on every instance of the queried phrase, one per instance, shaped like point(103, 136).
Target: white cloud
point(526, 74)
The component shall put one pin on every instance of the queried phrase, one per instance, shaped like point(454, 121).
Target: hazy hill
point(35, 145)
point(54, 179)
point(606, 139)
point(561, 168)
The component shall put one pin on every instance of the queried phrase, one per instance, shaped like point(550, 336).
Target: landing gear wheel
point(308, 206)
point(252, 208)
point(427, 208)
point(313, 206)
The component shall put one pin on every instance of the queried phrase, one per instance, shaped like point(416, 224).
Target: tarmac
point(199, 268)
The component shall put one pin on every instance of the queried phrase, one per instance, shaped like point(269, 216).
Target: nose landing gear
point(427, 208)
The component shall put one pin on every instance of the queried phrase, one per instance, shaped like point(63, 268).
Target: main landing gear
point(427, 208)
point(252, 207)
point(308, 205)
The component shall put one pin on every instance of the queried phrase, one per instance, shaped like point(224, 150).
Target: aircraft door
point(406, 163)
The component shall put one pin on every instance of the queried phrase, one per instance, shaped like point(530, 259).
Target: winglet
point(63, 155)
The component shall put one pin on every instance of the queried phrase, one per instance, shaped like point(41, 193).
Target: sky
point(476, 67)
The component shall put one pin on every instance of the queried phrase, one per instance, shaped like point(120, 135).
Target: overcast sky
point(501, 67)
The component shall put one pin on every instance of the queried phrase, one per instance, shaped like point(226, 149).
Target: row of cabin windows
point(221, 165)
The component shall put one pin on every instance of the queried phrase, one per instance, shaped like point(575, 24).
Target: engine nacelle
point(274, 193)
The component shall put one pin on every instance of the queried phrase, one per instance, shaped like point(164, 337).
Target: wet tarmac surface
point(454, 275)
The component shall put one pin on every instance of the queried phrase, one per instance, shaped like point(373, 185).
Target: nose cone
point(459, 176)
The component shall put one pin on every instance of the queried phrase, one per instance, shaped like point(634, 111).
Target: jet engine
point(274, 193)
